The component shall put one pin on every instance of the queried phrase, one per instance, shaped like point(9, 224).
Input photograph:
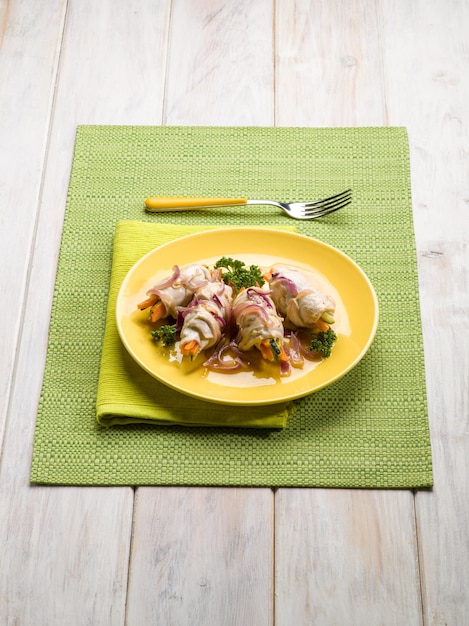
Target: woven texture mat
point(370, 429)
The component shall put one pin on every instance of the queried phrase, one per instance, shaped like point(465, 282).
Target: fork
point(297, 210)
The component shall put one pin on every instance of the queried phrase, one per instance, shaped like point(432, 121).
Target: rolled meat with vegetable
point(205, 318)
point(301, 304)
point(259, 325)
point(177, 290)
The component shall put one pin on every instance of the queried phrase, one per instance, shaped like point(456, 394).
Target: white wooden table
point(177, 556)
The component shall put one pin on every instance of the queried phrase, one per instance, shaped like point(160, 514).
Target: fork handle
point(179, 203)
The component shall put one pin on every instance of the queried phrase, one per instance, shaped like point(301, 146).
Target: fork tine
point(331, 201)
point(321, 212)
point(328, 205)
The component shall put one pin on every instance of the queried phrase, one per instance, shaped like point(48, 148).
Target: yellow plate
point(356, 313)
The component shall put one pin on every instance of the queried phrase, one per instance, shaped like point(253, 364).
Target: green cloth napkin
point(126, 393)
point(369, 429)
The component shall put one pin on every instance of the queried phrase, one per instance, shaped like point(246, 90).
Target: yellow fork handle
point(179, 203)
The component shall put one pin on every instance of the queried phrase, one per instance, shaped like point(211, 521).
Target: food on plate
point(301, 304)
point(259, 325)
point(237, 274)
point(177, 290)
point(308, 314)
point(166, 334)
point(230, 312)
point(205, 317)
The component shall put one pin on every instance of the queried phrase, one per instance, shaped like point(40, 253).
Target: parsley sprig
point(322, 343)
point(166, 334)
point(238, 275)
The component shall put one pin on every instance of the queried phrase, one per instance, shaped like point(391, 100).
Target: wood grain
point(202, 556)
point(30, 41)
point(328, 64)
point(427, 78)
point(220, 63)
point(346, 557)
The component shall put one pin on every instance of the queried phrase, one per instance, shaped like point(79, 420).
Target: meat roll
point(301, 304)
point(205, 318)
point(259, 325)
point(167, 297)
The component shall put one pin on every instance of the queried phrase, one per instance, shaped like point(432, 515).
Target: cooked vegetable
point(166, 334)
point(237, 274)
point(272, 350)
point(150, 301)
point(157, 311)
point(322, 343)
point(276, 351)
point(190, 348)
point(227, 357)
point(327, 317)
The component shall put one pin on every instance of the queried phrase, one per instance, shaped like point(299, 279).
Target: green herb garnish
point(322, 342)
point(166, 334)
point(237, 274)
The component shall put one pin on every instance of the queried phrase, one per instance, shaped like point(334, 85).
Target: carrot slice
point(321, 325)
point(150, 301)
point(190, 348)
point(266, 350)
point(157, 312)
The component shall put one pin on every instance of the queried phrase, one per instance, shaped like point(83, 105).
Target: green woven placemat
point(370, 429)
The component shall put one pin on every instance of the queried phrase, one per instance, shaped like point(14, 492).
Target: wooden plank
point(345, 557)
point(328, 64)
point(65, 551)
point(29, 43)
point(220, 64)
point(202, 556)
point(352, 557)
point(428, 90)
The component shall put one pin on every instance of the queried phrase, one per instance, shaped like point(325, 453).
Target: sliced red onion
point(192, 304)
point(219, 363)
point(220, 320)
point(167, 282)
point(181, 314)
point(295, 351)
point(307, 353)
point(285, 368)
point(257, 295)
point(291, 286)
point(217, 301)
point(246, 308)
